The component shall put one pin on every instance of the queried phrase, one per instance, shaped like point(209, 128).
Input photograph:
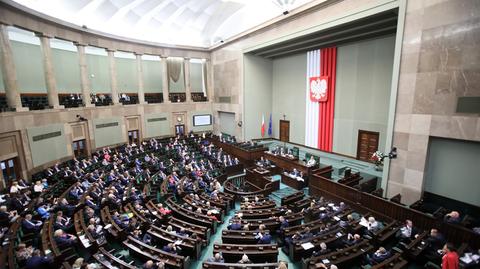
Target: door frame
point(358, 140)
point(280, 130)
point(180, 124)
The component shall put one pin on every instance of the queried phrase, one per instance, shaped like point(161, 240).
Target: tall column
point(84, 81)
point(141, 91)
point(209, 83)
point(113, 77)
point(8, 72)
point(186, 74)
point(165, 79)
point(49, 72)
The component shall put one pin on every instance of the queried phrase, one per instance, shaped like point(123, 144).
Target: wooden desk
point(297, 196)
point(287, 163)
point(108, 260)
point(217, 265)
point(255, 173)
point(292, 182)
point(290, 164)
point(247, 156)
point(340, 257)
point(256, 253)
point(261, 179)
point(320, 185)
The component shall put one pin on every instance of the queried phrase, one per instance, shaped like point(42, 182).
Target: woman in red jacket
point(450, 257)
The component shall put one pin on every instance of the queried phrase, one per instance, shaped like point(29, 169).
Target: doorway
point(133, 137)
point(180, 129)
point(367, 145)
point(10, 170)
point(284, 130)
point(80, 148)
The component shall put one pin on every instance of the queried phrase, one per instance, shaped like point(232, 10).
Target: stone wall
point(440, 62)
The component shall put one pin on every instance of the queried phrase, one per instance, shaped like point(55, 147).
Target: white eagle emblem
point(318, 89)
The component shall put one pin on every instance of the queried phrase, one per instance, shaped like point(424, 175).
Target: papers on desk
point(325, 261)
point(469, 258)
point(307, 246)
point(336, 218)
point(339, 234)
point(85, 241)
point(107, 226)
point(300, 179)
point(364, 222)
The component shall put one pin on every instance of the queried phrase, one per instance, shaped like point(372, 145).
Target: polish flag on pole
point(263, 125)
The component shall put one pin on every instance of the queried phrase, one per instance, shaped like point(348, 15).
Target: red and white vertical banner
point(320, 98)
point(311, 113)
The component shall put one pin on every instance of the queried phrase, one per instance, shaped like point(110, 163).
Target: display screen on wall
point(202, 120)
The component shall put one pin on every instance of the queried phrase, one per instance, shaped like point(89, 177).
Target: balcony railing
point(101, 99)
point(154, 98)
point(128, 98)
point(199, 97)
point(35, 101)
point(180, 97)
point(70, 100)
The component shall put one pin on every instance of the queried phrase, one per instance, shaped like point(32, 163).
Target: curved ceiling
point(199, 23)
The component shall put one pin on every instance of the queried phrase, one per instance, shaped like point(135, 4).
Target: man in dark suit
point(379, 256)
point(264, 238)
point(37, 261)
point(236, 226)
point(407, 232)
point(435, 242)
point(31, 226)
point(63, 239)
point(352, 240)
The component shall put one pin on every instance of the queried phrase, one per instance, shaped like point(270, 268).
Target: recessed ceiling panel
point(198, 23)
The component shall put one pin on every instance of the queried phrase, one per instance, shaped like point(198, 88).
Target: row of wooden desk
point(282, 163)
point(245, 156)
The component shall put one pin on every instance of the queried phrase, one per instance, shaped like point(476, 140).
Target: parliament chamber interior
point(221, 134)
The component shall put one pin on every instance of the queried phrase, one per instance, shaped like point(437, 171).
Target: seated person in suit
point(62, 223)
point(63, 239)
point(30, 225)
point(322, 251)
point(23, 253)
point(372, 226)
point(217, 258)
point(452, 217)
point(311, 161)
point(379, 256)
point(93, 231)
point(295, 173)
point(37, 261)
point(352, 240)
point(235, 226)
point(122, 222)
point(171, 248)
point(407, 232)
point(91, 203)
point(264, 238)
point(43, 210)
point(435, 242)
point(244, 259)
point(283, 224)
